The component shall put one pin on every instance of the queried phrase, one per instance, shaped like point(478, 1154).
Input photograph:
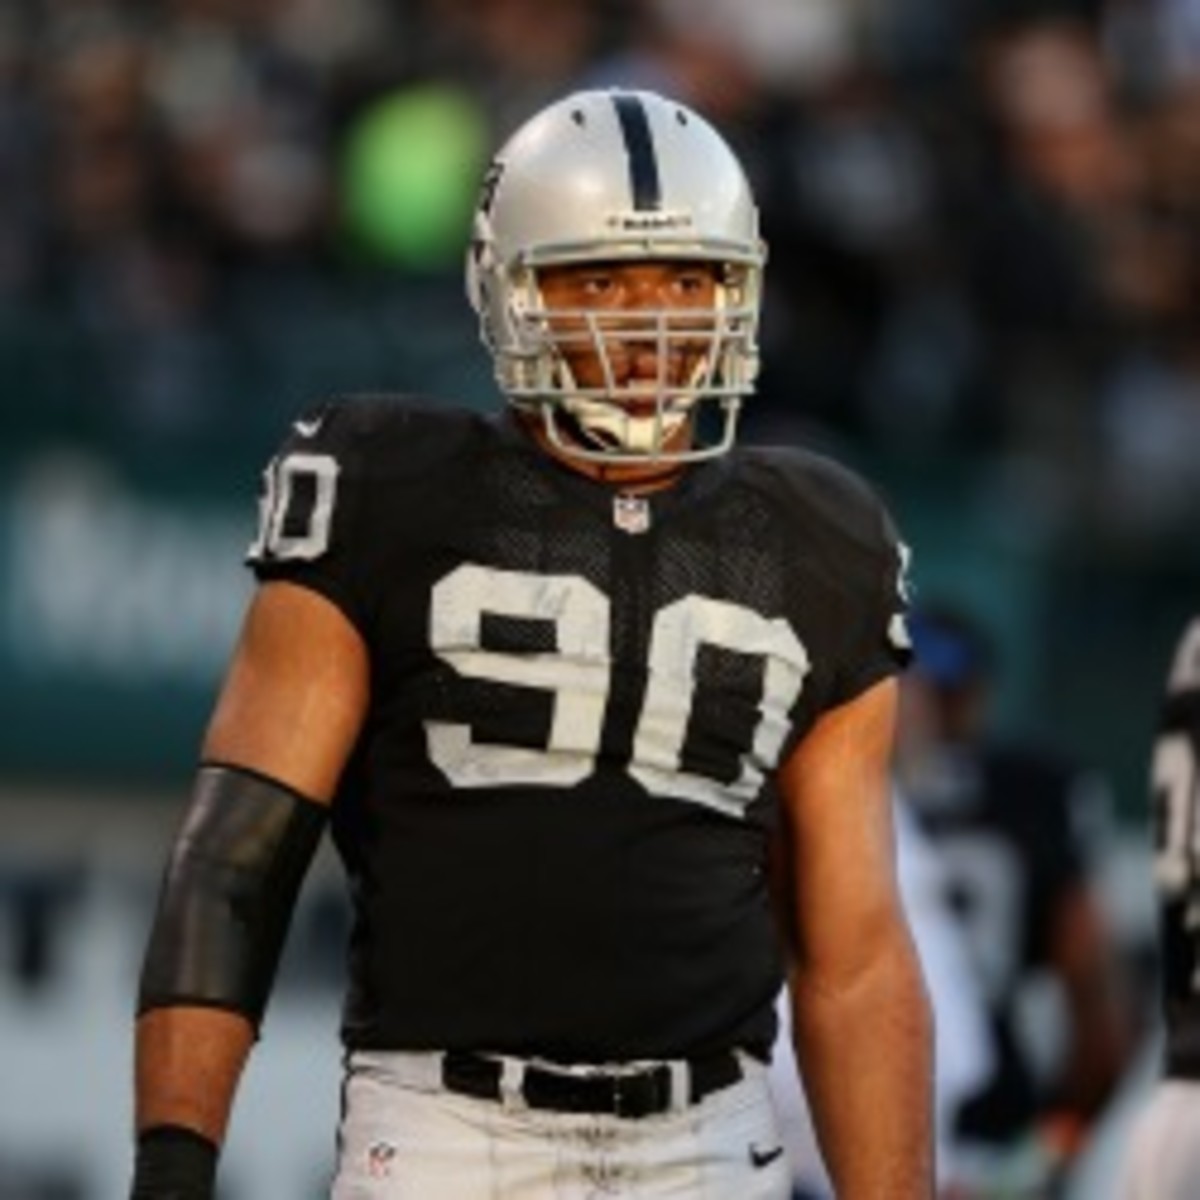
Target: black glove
point(173, 1163)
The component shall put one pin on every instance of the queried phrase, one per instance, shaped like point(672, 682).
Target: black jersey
point(1014, 827)
point(1176, 808)
point(555, 820)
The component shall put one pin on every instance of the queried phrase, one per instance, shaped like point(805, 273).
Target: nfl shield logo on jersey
point(631, 513)
point(379, 1160)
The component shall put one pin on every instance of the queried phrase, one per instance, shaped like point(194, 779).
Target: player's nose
point(644, 361)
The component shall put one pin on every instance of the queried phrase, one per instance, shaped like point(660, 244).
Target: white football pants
point(404, 1137)
point(1162, 1156)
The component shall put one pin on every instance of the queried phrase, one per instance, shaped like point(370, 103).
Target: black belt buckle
point(633, 1095)
point(645, 1094)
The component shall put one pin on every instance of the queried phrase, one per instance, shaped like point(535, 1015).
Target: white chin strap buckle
point(610, 427)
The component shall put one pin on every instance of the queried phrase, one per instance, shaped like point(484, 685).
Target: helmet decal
point(639, 142)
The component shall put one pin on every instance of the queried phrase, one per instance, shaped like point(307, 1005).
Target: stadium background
point(984, 291)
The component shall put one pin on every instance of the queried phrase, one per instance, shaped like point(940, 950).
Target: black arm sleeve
point(228, 893)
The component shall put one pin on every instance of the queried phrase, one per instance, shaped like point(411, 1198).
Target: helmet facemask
point(701, 359)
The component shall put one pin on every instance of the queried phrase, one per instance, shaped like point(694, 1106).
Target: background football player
point(1016, 825)
point(1163, 1156)
point(566, 683)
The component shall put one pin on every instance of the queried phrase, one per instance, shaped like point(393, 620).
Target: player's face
point(634, 330)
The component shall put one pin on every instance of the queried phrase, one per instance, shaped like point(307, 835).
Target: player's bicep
point(842, 897)
point(295, 694)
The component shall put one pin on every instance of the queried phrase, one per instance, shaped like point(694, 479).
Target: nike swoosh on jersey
point(308, 428)
point(762, 1158)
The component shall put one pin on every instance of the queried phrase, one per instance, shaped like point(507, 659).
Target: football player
point(1015, 825)
point(1162, 1160)
point(566, 683)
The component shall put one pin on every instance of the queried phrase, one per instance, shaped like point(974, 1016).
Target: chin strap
point(606, 426)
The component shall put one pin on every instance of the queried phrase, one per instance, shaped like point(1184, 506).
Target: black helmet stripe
point(639, 145)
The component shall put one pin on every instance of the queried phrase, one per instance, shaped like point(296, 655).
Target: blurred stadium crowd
point(984, 217)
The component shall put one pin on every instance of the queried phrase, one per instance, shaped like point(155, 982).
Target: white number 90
point(578, 674)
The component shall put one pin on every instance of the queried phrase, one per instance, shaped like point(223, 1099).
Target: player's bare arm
point(295, 693)
point(286, 720)
point(862, 1023)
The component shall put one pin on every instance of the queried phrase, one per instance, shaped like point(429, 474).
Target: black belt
point(643, 1093)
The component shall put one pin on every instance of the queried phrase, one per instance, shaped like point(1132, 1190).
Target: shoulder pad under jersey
point(842, 523)
point(327, 504)
point(826, 491)
point(382, 433)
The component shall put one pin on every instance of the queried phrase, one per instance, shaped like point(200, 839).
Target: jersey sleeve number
point(578, 674)
point(1177, 799)
point(295, 508)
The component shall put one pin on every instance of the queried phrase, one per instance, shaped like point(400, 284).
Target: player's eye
point(598, 284)
point(692, 283)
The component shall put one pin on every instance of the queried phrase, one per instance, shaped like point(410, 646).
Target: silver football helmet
point(614, 177)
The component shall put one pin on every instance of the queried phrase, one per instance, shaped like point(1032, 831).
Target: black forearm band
point(173, 1163)
point(228, 893)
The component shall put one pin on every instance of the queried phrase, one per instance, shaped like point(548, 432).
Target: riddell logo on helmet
point(650, 220)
